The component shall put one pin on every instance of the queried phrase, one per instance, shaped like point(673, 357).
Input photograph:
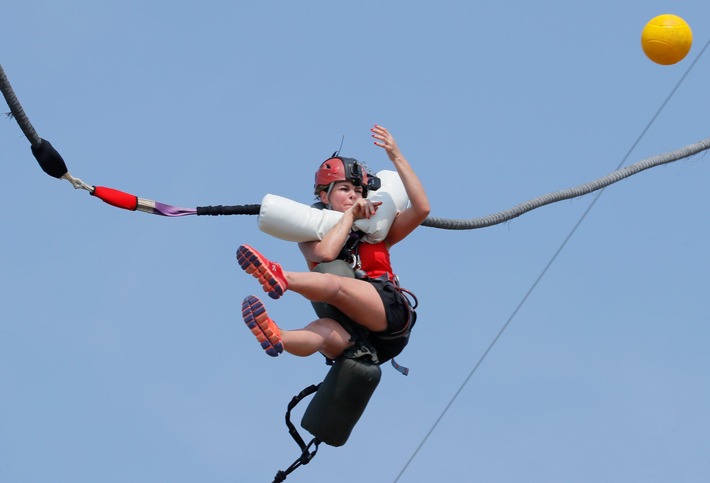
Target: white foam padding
point(292, 221)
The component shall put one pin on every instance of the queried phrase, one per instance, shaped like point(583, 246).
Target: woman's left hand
point(386, 141)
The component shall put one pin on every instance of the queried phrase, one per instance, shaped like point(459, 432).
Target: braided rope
point(17, 112)
point(583, 189)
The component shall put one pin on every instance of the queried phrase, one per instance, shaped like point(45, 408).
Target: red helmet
point(338, 168)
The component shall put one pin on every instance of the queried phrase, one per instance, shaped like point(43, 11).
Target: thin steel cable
point(544, 271)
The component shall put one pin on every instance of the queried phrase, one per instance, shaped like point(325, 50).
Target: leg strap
point(306, 453)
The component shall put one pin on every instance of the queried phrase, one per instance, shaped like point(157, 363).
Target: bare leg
point(323, 335)
point(357, 299)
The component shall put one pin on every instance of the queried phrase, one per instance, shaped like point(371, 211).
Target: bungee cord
point(52, 163)
point(569, 193)
point(17, 112)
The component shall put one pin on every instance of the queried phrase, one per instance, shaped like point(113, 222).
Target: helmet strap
point(327, 195)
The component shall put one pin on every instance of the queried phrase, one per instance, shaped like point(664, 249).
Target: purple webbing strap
point(169, 210)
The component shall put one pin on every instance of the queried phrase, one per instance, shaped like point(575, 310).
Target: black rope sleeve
point(49, 159)
point(228, 210)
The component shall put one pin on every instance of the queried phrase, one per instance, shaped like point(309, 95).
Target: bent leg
point(323, 335)
point(357, 299)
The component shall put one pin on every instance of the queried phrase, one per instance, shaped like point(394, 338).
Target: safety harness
point(350, 254)
point(341, 398)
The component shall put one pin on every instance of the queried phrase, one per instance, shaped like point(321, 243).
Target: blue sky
point(123, 356)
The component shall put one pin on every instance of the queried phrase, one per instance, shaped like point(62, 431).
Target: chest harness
point(350, 254)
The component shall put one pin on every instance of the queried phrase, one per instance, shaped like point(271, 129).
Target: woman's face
point(342, 196)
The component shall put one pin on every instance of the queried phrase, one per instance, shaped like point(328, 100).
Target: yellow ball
point(666, 39)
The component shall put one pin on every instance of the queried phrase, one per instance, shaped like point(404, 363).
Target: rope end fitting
point(77, 183)
point(49, 159)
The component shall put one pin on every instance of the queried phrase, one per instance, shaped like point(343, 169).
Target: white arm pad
point(293, 221)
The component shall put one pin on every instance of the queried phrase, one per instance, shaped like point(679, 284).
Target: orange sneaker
point(269, 273)
point(261, 325)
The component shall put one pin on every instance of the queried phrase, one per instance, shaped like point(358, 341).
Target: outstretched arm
point(419, 208)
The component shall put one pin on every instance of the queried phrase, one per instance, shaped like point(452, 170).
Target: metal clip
point(77, 183)
point(356, 262)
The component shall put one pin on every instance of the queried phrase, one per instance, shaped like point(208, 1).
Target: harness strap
point(401, 369)
point(306, 453)
point(411, 315)
point(411, 318)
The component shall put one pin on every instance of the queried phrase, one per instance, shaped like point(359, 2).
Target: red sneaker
point(261, 325)
point(267, 272)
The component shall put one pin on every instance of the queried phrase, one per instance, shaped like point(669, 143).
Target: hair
point(319, 188)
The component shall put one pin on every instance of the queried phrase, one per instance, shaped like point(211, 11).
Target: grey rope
point(16, 110)
point(613, 177)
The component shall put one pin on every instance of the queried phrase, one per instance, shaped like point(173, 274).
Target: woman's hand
point(364, 208)
point(417, 211)
point(386, 141)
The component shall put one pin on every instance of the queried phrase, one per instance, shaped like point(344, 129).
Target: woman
point(374, 301)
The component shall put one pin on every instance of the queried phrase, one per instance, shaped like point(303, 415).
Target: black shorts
point(400, 319)
point(396, 306)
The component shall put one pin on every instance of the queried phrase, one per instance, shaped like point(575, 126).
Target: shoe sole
point(261, 325)
point(257, 266)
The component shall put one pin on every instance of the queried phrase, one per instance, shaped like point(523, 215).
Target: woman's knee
point(331, 286)
point(335, 338)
